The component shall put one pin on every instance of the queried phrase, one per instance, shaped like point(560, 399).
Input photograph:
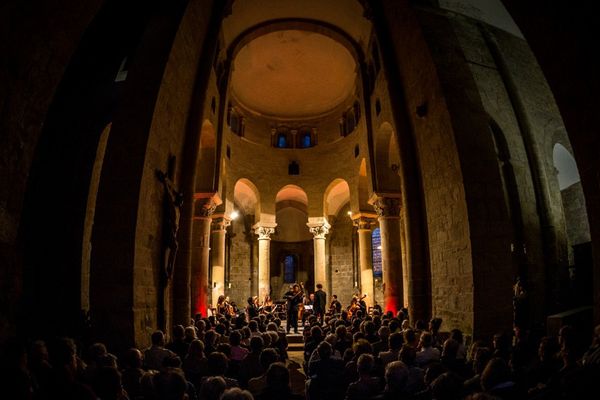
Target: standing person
point(320, 302)
point(294, 298)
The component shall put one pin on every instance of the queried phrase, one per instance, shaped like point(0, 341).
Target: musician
point(252, 308)
point(362, 303)
point(377, 307)
point(335, 307)
point(320, 302)
point(294, 298)
point(267, 305)
point(222, 306)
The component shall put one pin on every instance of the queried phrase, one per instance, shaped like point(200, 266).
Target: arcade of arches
point(290, 135)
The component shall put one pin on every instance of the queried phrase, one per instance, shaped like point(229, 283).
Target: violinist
point(294, 298)
point(230, 307)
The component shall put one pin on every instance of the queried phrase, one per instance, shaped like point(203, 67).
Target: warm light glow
point(234, 214)
point(379, 247)
point(350, 213)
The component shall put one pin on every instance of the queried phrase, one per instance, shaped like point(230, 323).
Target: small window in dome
point(306, 140)
point(281, 141)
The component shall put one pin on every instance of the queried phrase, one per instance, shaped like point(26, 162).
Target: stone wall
point(578, 227)
point(341, 258)
point(240, 262)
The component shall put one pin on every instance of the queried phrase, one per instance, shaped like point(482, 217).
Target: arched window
point(281, 141)
point(306, 140)
point(376, 243)
point(289, 269)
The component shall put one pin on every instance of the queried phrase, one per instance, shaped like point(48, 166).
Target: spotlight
point(234, 214)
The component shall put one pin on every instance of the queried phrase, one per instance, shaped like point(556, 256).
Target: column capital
point(319, 229)
point(264, 230)
point(205, 204)
point(387, 205)
point(364, 222)
point(220, 223)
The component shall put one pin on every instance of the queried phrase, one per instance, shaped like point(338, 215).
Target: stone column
point(365, 256)
point(264, 232)
point(218, 232)
point(320, 230)
point(388, 211)
point(200, 255)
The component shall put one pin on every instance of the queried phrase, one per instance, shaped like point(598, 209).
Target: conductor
point(320, 302)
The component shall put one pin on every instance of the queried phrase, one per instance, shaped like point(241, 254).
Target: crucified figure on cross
point(173, 201)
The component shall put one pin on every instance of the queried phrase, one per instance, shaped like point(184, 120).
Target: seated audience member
point(367, 385)
point(592, 356)
point(496, 380)
point(427, 353)
point(382, 345)
point(64, 383)
point(195, 364)
point(15, 381)
point(217, 366)
point(170, 384)
point(395, 341)
point(396, 377)
point(236, 394)
point(448, 359)
point(178, 345)
point(107, 384)
point(132, 373)
point(480, 360)
point(267, 357)
point(278, 384)
point(415, 381)
point(250, 366)
point(155, 354)
point(461, 353)
point(447, 386)
point(212, 388)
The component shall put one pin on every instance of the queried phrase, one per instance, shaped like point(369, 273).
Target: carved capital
point(205, 204)
point(364, 223)
point(264, 232)
point(220, 223)
point(319, 231)
point(387, 206)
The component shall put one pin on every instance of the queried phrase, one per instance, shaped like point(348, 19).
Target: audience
point(377, 356)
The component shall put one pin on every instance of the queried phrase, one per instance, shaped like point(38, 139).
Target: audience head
point(396, 376)
point(324, 350)
point(236, 394)
point(361, 346)
point(212, 388)
point(278, 377)
point(256, 344)
point(170, 384)
point(450, 349)
point(133, 358)
point(447, 386)
point(365, 364)
point(395, 341)
point(268, 357)
point(217, 364)
point(178, 332)
point(158, 338)
point(408, 355)
point(434, 325)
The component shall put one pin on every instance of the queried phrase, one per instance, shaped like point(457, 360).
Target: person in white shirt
point(428, 354)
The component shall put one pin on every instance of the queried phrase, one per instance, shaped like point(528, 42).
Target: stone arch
point(247, 197)
point(291, 204)
point(205, 178)
point(387, 159)
point(335, 197)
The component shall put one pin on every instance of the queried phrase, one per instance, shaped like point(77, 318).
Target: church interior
point(439, 157)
